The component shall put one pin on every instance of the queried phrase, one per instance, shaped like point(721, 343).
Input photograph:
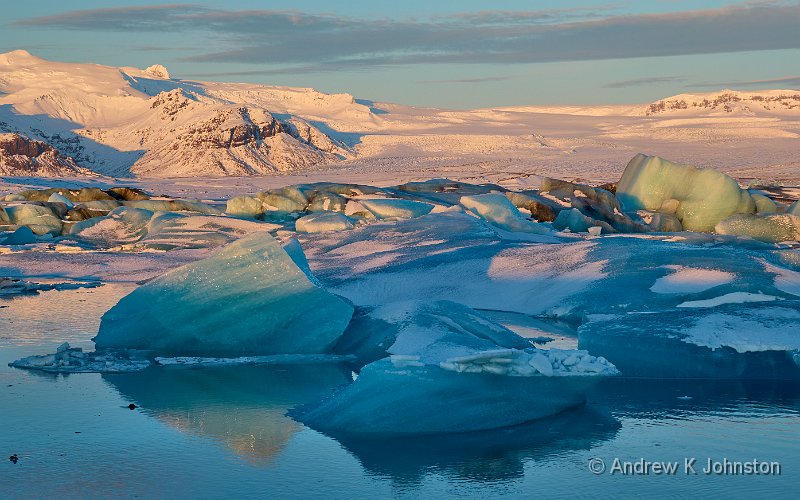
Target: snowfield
point(127, 122)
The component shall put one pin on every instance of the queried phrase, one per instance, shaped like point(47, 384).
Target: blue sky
point(457, 54)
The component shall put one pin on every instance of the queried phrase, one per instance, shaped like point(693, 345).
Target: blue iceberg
point(248, 299)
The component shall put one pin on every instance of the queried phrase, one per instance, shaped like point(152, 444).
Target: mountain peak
point(16, 56)
point(158, 71)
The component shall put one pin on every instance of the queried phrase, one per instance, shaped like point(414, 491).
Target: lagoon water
point(223, 432)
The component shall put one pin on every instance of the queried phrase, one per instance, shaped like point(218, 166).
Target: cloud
point(638, 82)
point(284, 39)
point(470, 80)
point(788, 81)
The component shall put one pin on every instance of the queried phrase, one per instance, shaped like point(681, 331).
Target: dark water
point(222, 432)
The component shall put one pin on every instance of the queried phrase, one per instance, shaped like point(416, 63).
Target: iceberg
point(759, 340)
point(410, 327)
point(396, 209)
point(398, 397)
point(764, 205)
point(285, 200)
point(541, 208)
point(121, 225)
point(174, 206)
point(181, 230)
point(40, 219)
point(327, 201)
point(100, 205)
point(60, 198)
point(463, 371)
point(244, 206)
point(703, 196)
point(295, 252)
point(319, 222)
point(21, 236)
point(577, 222)
point(248, 299)
point(498, 210)
point(770, 228)
point(69, 359)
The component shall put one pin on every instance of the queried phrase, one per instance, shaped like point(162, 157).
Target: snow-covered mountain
point(729, 102)
point(127, 121)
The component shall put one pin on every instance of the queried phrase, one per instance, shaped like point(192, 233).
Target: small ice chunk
point(498, 210)
point(319, 222)
point(60, 198)
point(383, 208)
point(771, 228)
point(542, 364)
point(730, 298)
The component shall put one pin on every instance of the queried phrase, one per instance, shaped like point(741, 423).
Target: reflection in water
point(657, 399)
point(55, 316)
point(488, 456)
point(243, 407)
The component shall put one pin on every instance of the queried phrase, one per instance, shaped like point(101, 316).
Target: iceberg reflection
point(488, 456)
point(242, 407)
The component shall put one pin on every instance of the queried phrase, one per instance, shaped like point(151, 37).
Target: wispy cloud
point(291, 40)
point(639, 82)
point(484, 79)
point(785, 81)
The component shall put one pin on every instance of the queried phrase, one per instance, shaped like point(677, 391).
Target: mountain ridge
point(127, 122)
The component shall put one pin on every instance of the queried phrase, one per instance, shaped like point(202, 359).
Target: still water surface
point(222, 432)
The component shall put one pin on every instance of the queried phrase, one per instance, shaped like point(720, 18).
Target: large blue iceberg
point(248, 299)
point(450, 369)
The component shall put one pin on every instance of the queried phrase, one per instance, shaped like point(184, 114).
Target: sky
point(457, 54)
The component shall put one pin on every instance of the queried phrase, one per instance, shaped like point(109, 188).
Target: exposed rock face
point(232, 141)
point(20, 155)
point(727, 101)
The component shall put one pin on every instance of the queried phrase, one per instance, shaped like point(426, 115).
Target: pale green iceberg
point(704, 196)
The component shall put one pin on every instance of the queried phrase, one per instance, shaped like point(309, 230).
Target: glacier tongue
point(248, 299)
